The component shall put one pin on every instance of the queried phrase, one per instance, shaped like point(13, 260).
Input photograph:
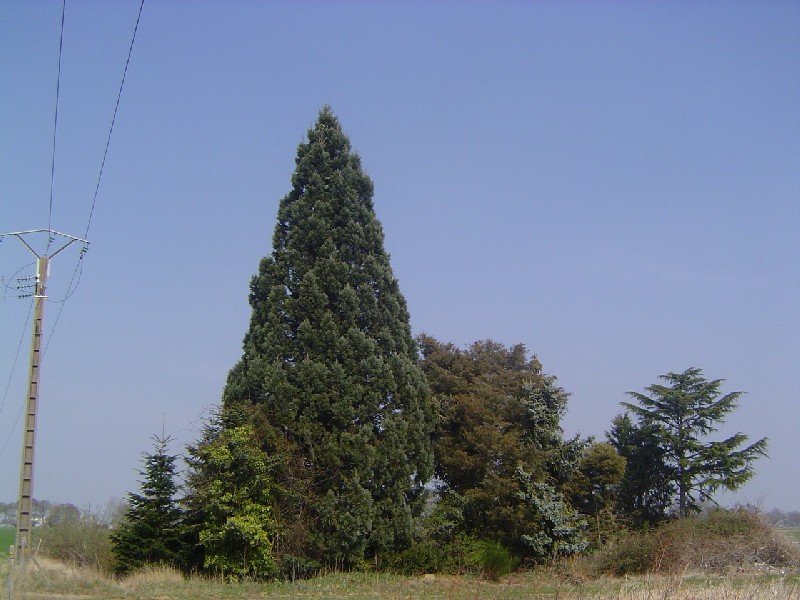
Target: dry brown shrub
point(720, 542)
point(726, 541)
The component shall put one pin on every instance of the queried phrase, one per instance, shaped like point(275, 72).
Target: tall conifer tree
point(329, 363)
point(679, 415)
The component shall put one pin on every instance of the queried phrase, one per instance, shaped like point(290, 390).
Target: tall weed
point(496, 561)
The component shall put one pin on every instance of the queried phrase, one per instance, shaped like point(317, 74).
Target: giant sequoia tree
point(329, 368)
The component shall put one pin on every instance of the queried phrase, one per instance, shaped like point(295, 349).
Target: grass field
point(792, 534)
point(572, 580)
point(7, 535)
point(54, 581)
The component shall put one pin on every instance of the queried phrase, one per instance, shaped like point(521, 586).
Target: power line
point(16, 358)
point(13, 429)
point(55, 119)
point(70, 291)
point(24, 521)
point(26, 483)
point(113, 119)
point(7, 286)
point(8, 385)
point(78, 271)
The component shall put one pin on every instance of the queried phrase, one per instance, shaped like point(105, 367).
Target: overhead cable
point(10, 378)
point(55, 121)
point(78, 271)
point(113, 119)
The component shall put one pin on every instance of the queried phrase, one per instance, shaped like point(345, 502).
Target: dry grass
point(705, 589)
point(55, 581)
point(153, 577)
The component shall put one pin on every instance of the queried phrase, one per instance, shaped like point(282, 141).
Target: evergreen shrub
point(456, 556)
point(633, 553)
point(496, 561)
point(293, 568)
point(150, 531)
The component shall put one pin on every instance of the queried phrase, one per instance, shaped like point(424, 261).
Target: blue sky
point(615, 185)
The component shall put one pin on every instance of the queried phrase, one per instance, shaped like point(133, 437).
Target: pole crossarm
point(71, 239)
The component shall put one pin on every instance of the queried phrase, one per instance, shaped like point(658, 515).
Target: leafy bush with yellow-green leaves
point(229, 506)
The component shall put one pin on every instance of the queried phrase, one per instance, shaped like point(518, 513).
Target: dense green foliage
point(646, 490)
point(329, 366)
point(675, 417)
point(499, 449)
point(594, 489)
point(150, 532)
point(600, 470)
point(496, 561)
point(230, 523)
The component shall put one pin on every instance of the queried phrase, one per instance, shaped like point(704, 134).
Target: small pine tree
point(150, 532)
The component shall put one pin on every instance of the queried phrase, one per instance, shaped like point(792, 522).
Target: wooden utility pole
point(29, 427)
point(25, 507)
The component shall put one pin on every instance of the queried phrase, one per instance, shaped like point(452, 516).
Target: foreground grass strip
point(54, 581)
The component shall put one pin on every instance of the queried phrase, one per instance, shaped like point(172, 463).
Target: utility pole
point(25, 507)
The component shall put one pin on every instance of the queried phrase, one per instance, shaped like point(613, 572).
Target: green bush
point(496, 561)
point(727, 523)
point(230, 503)
point(293, 568)
point(457, 555)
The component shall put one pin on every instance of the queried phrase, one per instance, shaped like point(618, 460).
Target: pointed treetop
point(329, 365)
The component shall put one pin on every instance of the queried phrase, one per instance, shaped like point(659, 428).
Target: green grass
point(7, 536)
point(792, 534)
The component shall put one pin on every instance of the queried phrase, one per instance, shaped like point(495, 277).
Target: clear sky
point(616, 185)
